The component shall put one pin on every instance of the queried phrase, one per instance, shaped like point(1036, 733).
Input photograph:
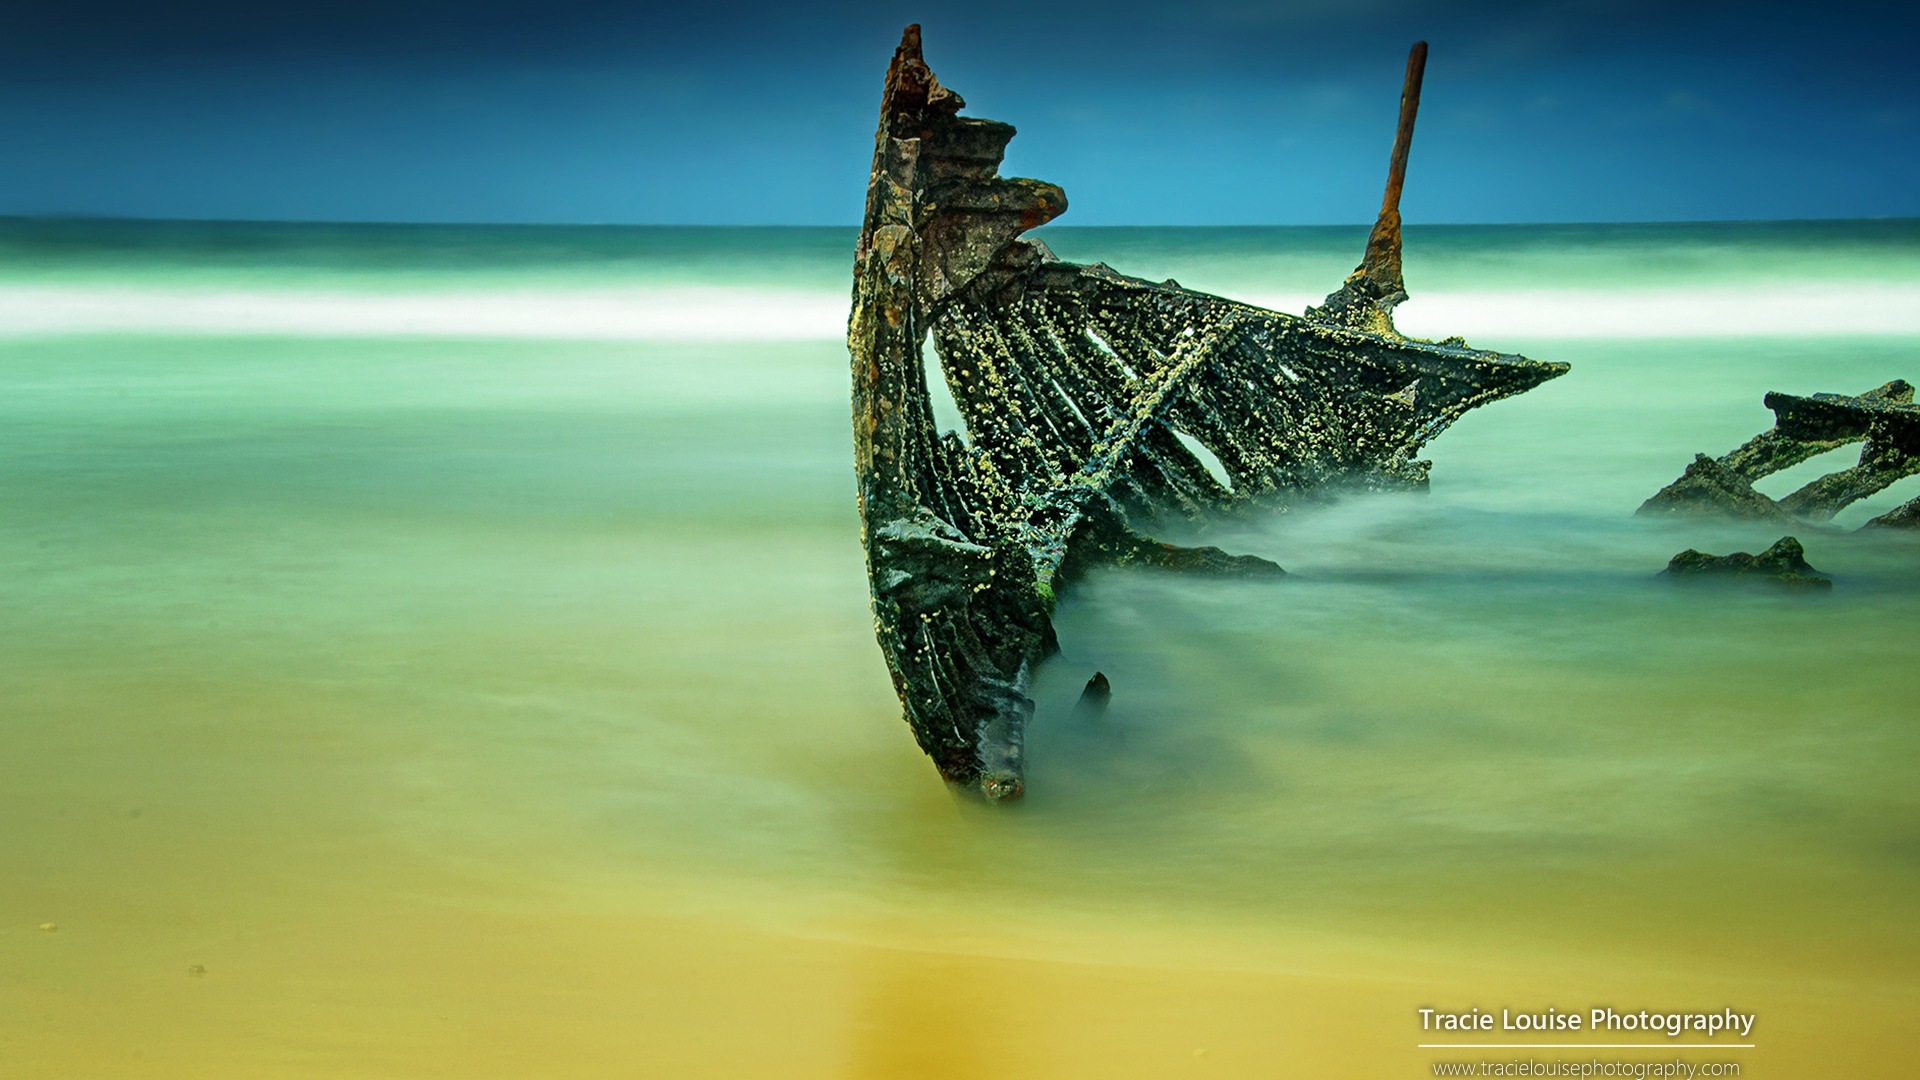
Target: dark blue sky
point(1211, 112)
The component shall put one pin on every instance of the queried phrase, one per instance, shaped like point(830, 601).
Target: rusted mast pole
point(1382, 262)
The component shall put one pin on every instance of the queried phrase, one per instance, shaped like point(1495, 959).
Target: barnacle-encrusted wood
point(1884, 419)
point(1081, 391)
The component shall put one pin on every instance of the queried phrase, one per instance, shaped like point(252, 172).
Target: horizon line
point(64, 218)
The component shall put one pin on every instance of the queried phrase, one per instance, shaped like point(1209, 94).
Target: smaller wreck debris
point(1904, 516)
point(1092, 405)
point(1885, 420)
point(1785, 564)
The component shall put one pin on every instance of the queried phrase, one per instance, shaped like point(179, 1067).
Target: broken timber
point(1884, 419)
point(1079, 388)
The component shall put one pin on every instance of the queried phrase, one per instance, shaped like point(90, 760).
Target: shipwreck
point(1086, 397)
point(1884, 420)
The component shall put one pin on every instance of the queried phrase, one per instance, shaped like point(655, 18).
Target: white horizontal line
point(1586, 1046)
point(1769, 309)
point(664, 312)
point(667, 313)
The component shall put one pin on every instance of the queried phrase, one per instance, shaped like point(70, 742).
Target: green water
point(502, 700)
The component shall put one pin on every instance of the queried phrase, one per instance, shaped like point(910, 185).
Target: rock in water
point(1082, 392)
point(1093, 700)
point(1784, 563)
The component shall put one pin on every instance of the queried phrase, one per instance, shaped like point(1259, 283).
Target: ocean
point(433, 651)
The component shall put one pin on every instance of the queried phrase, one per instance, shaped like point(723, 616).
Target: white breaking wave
point(1775, 309)
point(1779, 309)
point(635, 314)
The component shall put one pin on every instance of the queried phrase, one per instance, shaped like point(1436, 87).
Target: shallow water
point(454, 642)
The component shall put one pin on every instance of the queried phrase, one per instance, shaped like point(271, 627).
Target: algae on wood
point(1082, 391)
